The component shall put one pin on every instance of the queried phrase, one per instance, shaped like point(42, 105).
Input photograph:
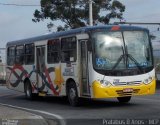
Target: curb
point(10, 115)
point(57, 120)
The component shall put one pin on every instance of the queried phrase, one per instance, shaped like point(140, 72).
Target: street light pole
point(90, 13)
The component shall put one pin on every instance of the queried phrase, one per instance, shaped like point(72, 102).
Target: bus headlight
point(104, 83)
point(148, 80)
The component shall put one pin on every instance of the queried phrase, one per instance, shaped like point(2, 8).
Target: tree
point(74, 13)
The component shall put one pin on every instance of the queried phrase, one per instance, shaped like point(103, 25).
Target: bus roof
point(72, 32)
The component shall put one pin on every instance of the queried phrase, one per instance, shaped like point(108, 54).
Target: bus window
point(53, 51)
point(19, 55)
point(11, 56)
point(29, 54)
point(68, 47)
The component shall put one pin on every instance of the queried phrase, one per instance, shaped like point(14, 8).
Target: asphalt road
point(139, 111)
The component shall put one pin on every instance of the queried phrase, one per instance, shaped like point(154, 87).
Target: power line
point(136, 23)
point(12, 4)
point(2, 48)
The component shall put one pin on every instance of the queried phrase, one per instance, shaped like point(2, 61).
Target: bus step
point(86, 94)
point(42, 94)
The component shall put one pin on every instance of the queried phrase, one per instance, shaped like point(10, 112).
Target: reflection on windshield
point(108, 48)
point(111, 52)
point(138, 47)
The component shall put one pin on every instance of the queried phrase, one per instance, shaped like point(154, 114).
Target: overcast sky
point(16, 22)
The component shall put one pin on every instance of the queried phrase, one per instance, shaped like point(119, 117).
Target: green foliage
point(74, 13)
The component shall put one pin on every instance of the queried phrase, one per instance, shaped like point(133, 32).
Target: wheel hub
point(72, 93)
point(28, 92)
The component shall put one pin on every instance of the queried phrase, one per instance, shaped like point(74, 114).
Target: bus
point(156, 55)
point(95, 62)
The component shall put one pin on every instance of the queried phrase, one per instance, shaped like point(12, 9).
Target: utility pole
point(90, 13)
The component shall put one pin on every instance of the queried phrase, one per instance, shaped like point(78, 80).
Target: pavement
point(13, 116)
point(10, 115)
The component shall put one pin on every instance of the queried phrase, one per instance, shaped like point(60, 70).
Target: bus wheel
point(124, 99)
point(28, 90)
point(72, 94)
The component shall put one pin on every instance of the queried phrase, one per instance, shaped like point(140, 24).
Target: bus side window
point(68, 49)
point(11, 56)
point(19, 58)
point(29, 54)
point(53, 51)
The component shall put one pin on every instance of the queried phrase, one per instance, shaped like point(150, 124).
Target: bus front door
point(84, 69)
point(40, 67)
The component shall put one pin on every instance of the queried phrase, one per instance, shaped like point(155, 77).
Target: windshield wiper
point(126, 56)
point(119, 59)
point(133, 59)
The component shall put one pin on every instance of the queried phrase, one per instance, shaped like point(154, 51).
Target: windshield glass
point(121, 50)
point(138, 47)
point(108, 49)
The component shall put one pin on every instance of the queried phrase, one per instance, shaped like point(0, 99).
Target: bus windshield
point(121, 50)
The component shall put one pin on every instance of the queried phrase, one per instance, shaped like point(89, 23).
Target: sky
point(16, 22)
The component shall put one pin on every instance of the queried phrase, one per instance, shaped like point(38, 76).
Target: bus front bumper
point(100, 91)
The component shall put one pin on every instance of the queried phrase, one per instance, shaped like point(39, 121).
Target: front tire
point(124, 99)
point(72, 94)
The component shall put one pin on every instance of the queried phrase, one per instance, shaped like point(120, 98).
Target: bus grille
point(121, 93)
point(127, 83)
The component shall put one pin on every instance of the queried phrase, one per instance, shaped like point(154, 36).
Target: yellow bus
point(96, 62)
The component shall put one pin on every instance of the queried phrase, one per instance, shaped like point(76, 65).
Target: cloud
point(135, 3)
point(141, 10)
point(16, 22)
point(35, 2)
point(7, 18)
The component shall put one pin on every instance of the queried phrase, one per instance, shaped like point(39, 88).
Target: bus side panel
point(156, 55)
point(7, 77)
point(31, 75)
point(157, 63)
point(69, 71)
point(56, 78)
point(14, 78)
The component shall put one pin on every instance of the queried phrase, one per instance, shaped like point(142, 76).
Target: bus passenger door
point(84, 68)
point(40, 67)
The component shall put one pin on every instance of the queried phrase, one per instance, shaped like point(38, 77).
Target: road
point(90, 112)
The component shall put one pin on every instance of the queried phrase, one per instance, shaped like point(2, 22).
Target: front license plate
point(128, 90)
